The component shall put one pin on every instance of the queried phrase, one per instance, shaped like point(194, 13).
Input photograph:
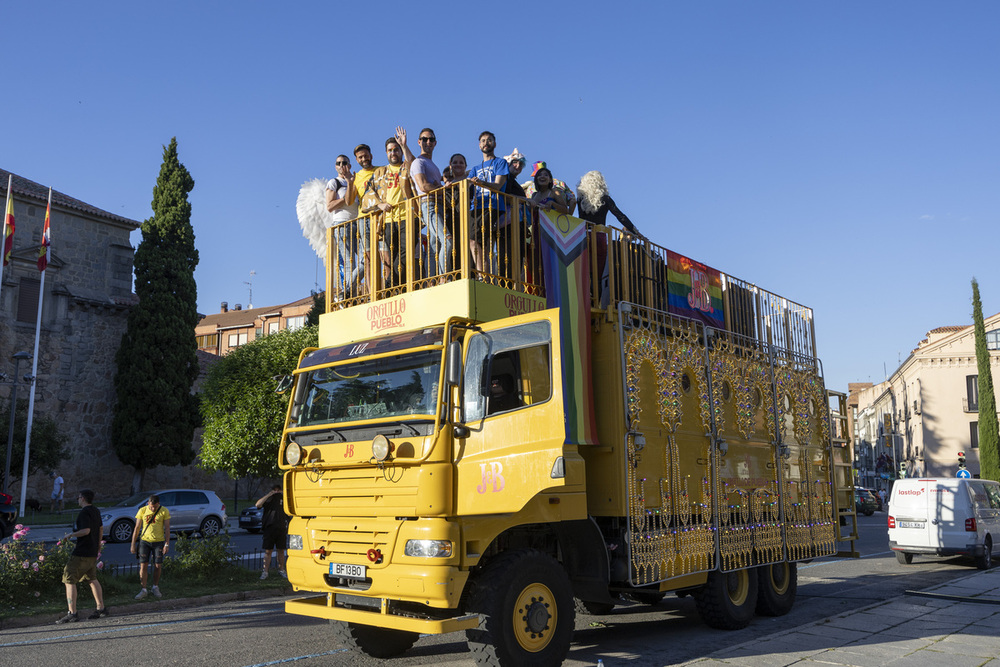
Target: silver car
point(191, 511)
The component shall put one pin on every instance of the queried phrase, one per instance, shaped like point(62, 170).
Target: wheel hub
point(535, 617)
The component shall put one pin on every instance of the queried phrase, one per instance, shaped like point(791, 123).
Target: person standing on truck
point(274, 525)
point(394, 188)
point(490, 178)
point(427, 177)
point(344, 209)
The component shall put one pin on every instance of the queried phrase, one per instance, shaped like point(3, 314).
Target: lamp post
point(18, 358)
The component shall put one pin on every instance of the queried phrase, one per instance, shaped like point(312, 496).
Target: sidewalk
point(951, 625)
point(54, 532)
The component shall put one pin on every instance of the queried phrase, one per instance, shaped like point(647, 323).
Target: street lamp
point(18, 358)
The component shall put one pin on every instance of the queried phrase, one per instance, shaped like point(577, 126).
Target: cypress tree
point(989, 430)
point(156, 413)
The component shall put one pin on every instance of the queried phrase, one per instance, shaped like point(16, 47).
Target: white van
point(945, 517)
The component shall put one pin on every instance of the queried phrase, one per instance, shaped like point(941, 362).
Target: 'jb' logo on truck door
point(492, 476)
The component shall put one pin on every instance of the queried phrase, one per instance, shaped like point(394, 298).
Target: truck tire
point(777, 585)
point(728, 599)
point(525, 602)
point(985, 560)
point(376, 642)
point(904, 558)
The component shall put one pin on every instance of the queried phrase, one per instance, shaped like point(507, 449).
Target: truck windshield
point(405, 384)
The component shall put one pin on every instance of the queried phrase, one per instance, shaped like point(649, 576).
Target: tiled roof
point(22, 187)
point(247, 316)
point(952, 328)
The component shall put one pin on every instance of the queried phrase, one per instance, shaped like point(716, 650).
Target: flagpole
point(3, 243)
point(46, 241)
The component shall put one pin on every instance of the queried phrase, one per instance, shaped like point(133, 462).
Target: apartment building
point(229, 328)
point(917, 421)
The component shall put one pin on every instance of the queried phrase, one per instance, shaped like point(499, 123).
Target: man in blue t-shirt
point(487, 205)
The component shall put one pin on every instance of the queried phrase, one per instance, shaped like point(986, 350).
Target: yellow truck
point(584, 420)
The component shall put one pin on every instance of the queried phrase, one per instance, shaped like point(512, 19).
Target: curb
point(123, 611)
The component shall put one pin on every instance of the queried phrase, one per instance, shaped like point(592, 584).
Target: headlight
point(105, 518)
point(293, 453)
point(428, 548)
point(381, 447)
point(294, 542)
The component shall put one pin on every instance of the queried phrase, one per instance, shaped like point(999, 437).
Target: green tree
point(48, 443)
point(989, 430)
point(243, 415)
point(157, 364)
point(318, 308)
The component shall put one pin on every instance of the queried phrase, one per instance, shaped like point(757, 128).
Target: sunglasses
point(428, 138)
point(343, 164)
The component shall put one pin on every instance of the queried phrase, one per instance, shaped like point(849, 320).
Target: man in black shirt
point(275, 529)
point(82, 563)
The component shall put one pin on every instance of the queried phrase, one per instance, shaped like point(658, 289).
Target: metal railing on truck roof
point(495, 240)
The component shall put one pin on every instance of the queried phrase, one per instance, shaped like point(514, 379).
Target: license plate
point(348, 571)
point(911, 524)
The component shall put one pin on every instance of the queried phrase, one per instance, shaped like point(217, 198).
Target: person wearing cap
point(515, 163)
point(557, 185)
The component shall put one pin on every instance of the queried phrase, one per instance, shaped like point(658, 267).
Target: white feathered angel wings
point(313, 216)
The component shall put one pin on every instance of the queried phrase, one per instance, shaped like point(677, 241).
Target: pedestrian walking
point(58, 490)
point(152, 533)
point(274, 523)
point(82, 563)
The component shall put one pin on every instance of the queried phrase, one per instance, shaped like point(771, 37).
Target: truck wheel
point(525, 602)
point(904, 558)
point(376, 642)
point(728, 599)
point(777, 585)
point(985, 561)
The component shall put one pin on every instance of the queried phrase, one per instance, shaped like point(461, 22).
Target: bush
point(30, 572)
point(201, 559)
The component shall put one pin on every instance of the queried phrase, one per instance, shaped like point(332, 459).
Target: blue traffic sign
point(964, 474)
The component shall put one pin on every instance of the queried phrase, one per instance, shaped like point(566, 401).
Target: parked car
point(865, 502)
point(191, 511)
point(878, 499)
point(251, 519)
point(945, 516)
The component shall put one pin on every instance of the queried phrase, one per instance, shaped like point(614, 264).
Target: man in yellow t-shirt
point(394, 188)
point(152, 532)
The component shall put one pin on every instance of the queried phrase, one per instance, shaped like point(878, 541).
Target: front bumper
point(384, 616)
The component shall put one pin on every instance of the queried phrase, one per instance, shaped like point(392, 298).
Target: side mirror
point(453, 373)
point(284, 383)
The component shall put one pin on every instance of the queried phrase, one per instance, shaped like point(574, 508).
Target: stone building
point(88, 293)
point(917, 421)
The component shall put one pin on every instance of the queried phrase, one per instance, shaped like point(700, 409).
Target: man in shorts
point(82, 563)
point(152, 532)
point(274, 523)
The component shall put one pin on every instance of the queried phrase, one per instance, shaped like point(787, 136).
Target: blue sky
point(842, 154)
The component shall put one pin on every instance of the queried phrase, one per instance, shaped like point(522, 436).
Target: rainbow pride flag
point(694, 290)
point(566, 263)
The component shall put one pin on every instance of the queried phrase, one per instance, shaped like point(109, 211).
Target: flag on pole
point(8, 242)
point(43, 251)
